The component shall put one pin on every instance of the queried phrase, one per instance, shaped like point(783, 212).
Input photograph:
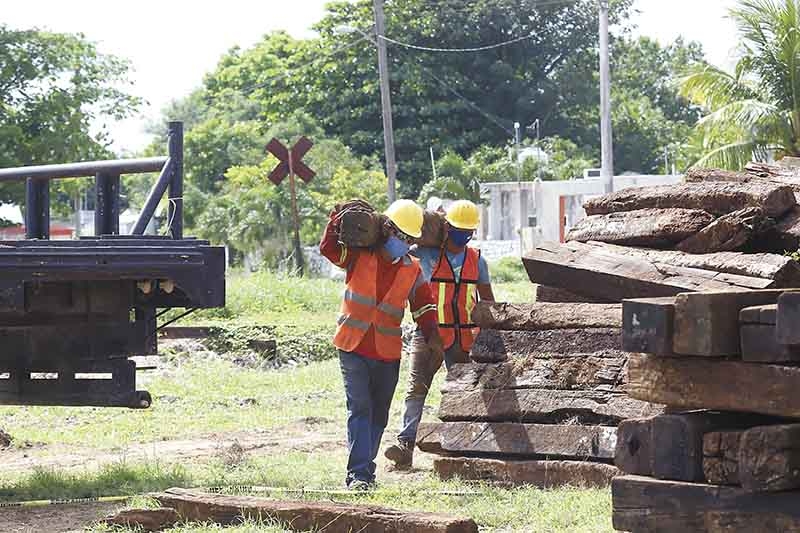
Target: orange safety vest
point(362, 311)
point(456, 299)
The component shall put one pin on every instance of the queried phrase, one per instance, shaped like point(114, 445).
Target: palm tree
point(754, 112)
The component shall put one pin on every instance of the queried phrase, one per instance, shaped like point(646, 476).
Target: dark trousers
point(369, 386)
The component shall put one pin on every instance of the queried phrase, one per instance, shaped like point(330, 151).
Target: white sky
point(173, 43)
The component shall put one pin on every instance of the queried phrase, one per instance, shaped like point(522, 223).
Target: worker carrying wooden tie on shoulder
point(459, 276)
point(379, 282)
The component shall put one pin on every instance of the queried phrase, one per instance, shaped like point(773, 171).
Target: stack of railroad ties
point(727, 456)
point(551, 381)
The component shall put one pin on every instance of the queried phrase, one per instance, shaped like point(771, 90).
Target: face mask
point(395, 247)
point(459, 237)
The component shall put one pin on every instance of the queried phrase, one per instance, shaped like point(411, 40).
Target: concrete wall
point(514, 206)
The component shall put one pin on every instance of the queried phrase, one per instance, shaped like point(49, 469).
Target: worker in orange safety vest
point(379, 282)
point(459, 277)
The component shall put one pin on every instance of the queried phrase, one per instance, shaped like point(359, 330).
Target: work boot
point(401, 454)
point(358, 485)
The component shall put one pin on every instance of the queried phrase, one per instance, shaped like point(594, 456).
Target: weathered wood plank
point(678, 453)
point(561, 371)
point(634, 446)
point(196, 506)
point(787, 319)
point(728, 233)
point(699, 383)
point(429, 439)
point(359, 228)
point(543, 406)
point(647, 325)
point(598, 273)
point(717, 198)
point(539, 316)
point(760, 345)
point(646, 505)
point(654, 228)
point(528, 440)
point(511, 473)
point(759, 314)
point(769, 458)
point(776, 266)
point(495, 346)
point(707, 324)
point(721, 457)
point(546, 294)
point(785, 235)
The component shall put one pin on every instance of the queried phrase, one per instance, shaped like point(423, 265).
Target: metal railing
point(107, 189)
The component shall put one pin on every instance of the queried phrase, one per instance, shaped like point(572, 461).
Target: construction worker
point(379, 282)
point(459, 276)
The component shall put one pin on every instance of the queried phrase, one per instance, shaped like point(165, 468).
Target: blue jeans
point(423, 369)
point(369, 386)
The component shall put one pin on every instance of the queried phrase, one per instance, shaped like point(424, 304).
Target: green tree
point(249, 213)
point(54, 90)
point(754, 111)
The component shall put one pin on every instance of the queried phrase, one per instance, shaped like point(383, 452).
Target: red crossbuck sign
point(296, 165)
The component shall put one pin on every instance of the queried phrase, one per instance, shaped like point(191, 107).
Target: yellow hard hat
point(407, 216)
point(463, 214)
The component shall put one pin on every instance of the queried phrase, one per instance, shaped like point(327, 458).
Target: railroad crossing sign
point(291, 164)
point(287, 164)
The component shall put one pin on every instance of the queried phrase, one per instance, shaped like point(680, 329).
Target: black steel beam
point(37, 209)
point(83, 169)
point(106, 208)
point(175, 209)
point(155, 195)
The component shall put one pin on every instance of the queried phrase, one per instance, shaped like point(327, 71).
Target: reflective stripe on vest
point(456, 299)
point(362, 312)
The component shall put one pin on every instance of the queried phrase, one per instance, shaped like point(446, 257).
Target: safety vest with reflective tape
point(361, 309)
point(456, 299)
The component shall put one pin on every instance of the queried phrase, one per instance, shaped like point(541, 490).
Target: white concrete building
point(535, 211)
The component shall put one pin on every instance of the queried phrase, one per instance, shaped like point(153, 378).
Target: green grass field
point(202, 395)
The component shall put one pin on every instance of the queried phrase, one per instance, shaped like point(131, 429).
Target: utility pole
point(606, 140)
point(386, 99)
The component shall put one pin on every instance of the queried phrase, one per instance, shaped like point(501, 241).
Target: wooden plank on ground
point(717, 198)
point(196, 506)
point(561, 371)
point(699, 383)
point(769, 458)
point(634, 446)
point(543, 406)
point(529, 440)
point(541, 316)
point(760, 345)
point(653, 228)
point(707, 324)
point(647, 325)
point(495, 346)
point(721, 457)
point(788, 318)
point(646, 505)
point(775, 266)
point(595, 272)
point(728, 233)
point(511, 473)
point(785, 235)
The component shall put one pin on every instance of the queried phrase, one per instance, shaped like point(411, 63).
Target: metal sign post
point(291, 164)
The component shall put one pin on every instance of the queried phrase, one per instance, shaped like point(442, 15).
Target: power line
point(464, 99)
point(457, 50)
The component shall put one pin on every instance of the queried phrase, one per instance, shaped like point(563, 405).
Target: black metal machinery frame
point(73, 312)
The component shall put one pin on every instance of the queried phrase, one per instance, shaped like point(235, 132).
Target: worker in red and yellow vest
point(459, 277)
point(379, 283)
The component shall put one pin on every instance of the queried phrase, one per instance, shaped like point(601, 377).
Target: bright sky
point(173, 43)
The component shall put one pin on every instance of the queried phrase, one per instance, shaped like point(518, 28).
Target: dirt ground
point(73, 518)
